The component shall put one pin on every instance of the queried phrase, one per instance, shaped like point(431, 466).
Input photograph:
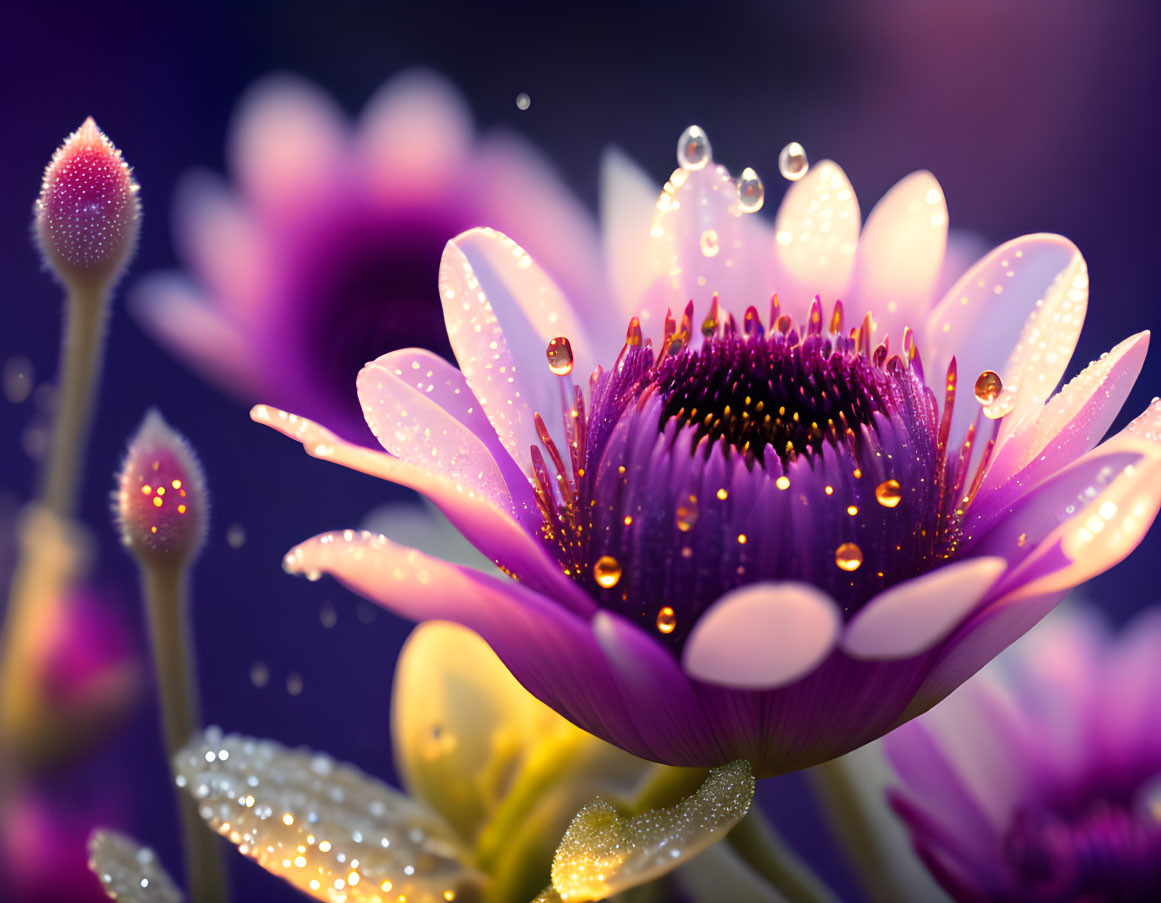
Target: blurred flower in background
point(1040, 780)
point(324, 253)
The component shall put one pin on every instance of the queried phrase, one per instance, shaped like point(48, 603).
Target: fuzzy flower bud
point(88, 212)
point(161, 503)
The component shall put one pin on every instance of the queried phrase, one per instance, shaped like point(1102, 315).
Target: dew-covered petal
point(421, 410)
point(628, 203)
point(413, 136)
point(323, 826)
point(900, 255)
point(1074, 419)
point(490, 529)
point(501, 311)
point(816, 234)
point(763, 635)
point(604, 853)
point(185, 321)
point(1017, 312)
point(128, 871)
point(913, 616)
point(287, 144)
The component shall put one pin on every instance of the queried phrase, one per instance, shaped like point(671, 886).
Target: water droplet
point(259, 674)
point(988, 387)
point(17, 379)
point(328, 616)
point(236, 536)
point(293, 683)
point(751, 191)
point(666, 620)
point(559, 354)
point(848, 556)
point(792, 162)
point(889, 493)
point(607, 572)
point(709, 243)
point(523, 101)
point(687, 513)
point(852, 510)
point(693, 149)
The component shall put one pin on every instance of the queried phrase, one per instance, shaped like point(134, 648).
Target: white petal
point(900, 255)
point(321, 825)
point(763, 635)
point(128, 871)
point(816, 234)
point(913, 616)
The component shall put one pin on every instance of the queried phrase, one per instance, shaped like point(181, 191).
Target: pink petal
point(491, 530)
point(219, 241)
point(414, 135)
point(1073, 421)
point(1018, 312)
point(501, 311)
point(287, 144)
point(913, 616)
point(816, 234)
point(628, 203)
point(900, 255)
point(762, 636)
point(403, 393)
point(184, 321)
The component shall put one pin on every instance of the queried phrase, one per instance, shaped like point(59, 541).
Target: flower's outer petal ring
point(762, 636)
point(489, 529)
point(913, 616)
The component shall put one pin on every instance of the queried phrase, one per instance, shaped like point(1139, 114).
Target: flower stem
point(758, 842)
point(165, 600)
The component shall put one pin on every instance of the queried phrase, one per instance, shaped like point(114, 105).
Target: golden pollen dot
point(848, 556)
point(829, 490)
point(723, 494)
point(741, 539)
point(889, 493)
point(628, 519)
point(176, 484)
point(607, 572)
point(988, 387)
point(852, 510)
point(449, 894)
point(857, 474)
point(157, 501)
point(161, 490)
point(145, 490)
point(782, 482)
point(559, 354)
point(153, 529)
point(288, 819)
point(181, 509)
point(666, 620)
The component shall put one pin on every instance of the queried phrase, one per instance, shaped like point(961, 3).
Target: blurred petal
point(762, 636)
point(628, 203)
point(128, 871)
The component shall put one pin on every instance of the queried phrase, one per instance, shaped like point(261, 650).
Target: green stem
point(165, 600)
point(666, 786)
point(757, 842)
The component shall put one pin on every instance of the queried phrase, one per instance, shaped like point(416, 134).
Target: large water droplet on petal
point(559, 354)
point(889, 493)
point(751, 191)
point(666, 620)
point(988, 387)
point(792, 162)
point(848, 556)
point(607, 572)
point(693, 149)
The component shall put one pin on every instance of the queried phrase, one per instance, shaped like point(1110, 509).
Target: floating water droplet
point(607, 572)
point(792, 162)
point(328, 615)
point(523, 101)
point(889, 493)
point(18, 379)
point(559, 354)
point(709, 243)
point(693, 149)
point(259, 674)
point(687, 513)
point(293, 683)
point(666, 620)
point(236, 536)
point(751, 191)
point(848, 556)
point(988, 387)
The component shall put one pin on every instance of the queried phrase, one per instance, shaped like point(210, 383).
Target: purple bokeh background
point(1034, 116)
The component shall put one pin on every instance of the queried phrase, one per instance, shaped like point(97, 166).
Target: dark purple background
point(1034, 116)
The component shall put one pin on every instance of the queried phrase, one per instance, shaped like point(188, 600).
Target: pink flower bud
point(87, 215)
point(161, 503)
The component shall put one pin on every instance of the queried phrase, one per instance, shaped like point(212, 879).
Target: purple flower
point(324, 254)
point(753, 533)
point(1040, 780)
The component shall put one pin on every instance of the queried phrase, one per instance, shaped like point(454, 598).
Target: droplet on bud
point(161, 501)
point(751, 191)
point(693, 149)
point(792, 162)
point(848, 556)
point(889, 493)
point(988, 387)
point(88, 212)
point(607, 572)
point(559, 354)
point(666, 620)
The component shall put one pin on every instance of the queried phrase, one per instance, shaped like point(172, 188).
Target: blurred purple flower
point(324, 255)
point(1040, 780)
point(770, 539)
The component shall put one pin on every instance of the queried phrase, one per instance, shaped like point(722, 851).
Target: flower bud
point(161, 504)
point(88, 212)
